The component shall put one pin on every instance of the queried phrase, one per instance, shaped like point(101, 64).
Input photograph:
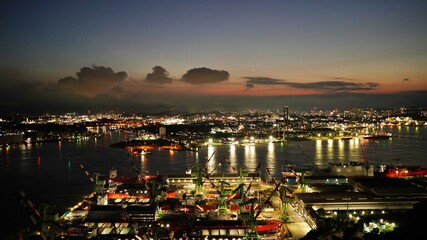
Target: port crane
point(222, 207)
point(97, 178)
point(43, 218)
point(152, 184)
point(199, 172)
point(250, 218)
point(285, 194)
point(223, 192)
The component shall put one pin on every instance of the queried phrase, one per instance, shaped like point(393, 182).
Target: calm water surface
point(50, 173)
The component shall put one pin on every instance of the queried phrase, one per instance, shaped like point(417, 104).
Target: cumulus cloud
point(204, 75)
point(324, 86)
point(92, 80)
point(159, 75)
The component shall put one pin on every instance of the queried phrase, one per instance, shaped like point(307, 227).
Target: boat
point(346, 169)
point(140, 151)
point(377, 136)
point(402, 171)
point(163, 144)
point(351, 169)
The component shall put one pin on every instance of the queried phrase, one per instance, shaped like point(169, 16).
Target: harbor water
point(50, 172)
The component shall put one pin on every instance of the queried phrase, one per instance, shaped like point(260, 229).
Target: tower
point(285, 121)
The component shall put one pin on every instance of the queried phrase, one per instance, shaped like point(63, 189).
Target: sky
point(152, 56)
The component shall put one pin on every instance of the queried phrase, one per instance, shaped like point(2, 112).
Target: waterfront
point(49, 172)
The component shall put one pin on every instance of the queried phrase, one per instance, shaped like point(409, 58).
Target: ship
point(348, 169)
point(351, 169)
point(138, 151)
point(402, 171)
point(361, 168)
point(377, 136)
point(150, 144)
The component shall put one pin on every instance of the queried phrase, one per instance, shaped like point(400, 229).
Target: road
point(297, 226)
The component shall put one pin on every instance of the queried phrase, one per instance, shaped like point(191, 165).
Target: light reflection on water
point(270, 158)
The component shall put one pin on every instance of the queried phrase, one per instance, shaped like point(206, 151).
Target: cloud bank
point(100, 89)
point(334, 86)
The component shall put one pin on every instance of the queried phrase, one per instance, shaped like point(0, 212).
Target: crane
point(43, 218)
point(250, 218)
point(199, 172)
point(98, 180)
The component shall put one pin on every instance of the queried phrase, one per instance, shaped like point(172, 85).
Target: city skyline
point(150, 56)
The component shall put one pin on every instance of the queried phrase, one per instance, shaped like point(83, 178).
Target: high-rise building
point(285, 121)
point(162, 132)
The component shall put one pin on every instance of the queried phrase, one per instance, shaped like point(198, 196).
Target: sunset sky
point(148, 56)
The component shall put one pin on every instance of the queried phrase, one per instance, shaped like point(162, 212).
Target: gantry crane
point(43, 218)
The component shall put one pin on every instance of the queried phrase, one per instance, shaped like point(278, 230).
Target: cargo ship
point(349, 169)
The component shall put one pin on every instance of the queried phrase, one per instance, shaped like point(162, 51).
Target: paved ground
point(298, 230)
point(297, 227)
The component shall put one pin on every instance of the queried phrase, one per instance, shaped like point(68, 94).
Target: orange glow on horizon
point(237, 87)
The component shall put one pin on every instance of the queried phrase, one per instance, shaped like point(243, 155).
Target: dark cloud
point(265, 81)
point(68, 83)
point(335, 86)
point(204, 75)
point(249, 85)
point(324, 86)
point(159, 75)
point(118, 92)
point(406, 80)
point(92, 80)
point(372, 85)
